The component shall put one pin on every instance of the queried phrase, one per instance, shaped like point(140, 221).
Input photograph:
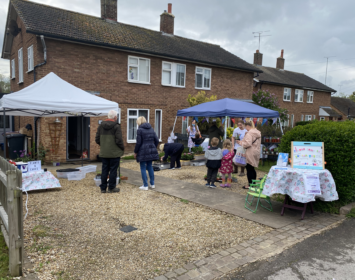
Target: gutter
point(296, 86)
point(141, 51)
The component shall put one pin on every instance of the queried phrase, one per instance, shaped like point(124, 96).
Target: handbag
point(240, 156)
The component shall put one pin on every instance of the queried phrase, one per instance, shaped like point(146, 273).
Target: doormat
point(128, 229)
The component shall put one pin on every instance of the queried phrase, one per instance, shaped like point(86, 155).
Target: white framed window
point(308, 118)
point(173, 74)
point(322, 118)
point(292, 119)
point(138, 70)
point(132, 116)
point(30, 58)
point(299, 95)
point(301, 118)
point(314, 117)
point(158, 123)
point(287, 122)
point(287, 94)
point(310, 95)
point(13, 69)
point(20, 65)
point(184, 125)
point(203, 78)
point(7, 121)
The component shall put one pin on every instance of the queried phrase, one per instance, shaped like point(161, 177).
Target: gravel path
point(73, 233)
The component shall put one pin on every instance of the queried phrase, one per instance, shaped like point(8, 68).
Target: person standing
point(238, 134)
point(216, 132)
point(146, 151)
point(213, 156)
point(174, 150)
point(227, 163)
point(251, 142)
point(191, 131)
point(109, 137)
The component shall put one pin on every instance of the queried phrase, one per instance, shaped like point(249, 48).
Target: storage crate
point(98, 181)
point(76, 176)
point(199, 162)
point(88, 168)
point(63, 173)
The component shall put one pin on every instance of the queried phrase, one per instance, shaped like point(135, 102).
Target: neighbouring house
point(344, 107)
point(148, 73)
point(301, 95)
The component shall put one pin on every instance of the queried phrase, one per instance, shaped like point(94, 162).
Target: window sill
point(298, 101)
point(131, 141)
point(20, 83)
point(137, 82)
point(310, 102)
point(29, 71)
point(13, 78)
point(287, 100)
point(173, 86)
point(203, 88)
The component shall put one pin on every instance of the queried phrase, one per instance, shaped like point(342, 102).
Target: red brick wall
point(298, 109)
point(105, 71)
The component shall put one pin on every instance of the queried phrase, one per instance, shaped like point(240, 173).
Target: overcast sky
point(307, 30)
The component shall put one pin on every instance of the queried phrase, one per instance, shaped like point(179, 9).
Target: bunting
point(208, 119)
point(274, 120)
point(255, 120)
point(264, 121)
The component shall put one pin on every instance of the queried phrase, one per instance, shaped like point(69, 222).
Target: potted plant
point(186, 158)
point(198, 152)
point(264, 150)
point(98, 175)
point(276, 150)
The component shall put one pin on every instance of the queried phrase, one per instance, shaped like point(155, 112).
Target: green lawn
point(4, 258)
point(267, 165)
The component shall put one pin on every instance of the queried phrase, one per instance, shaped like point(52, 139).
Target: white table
point(39, 180)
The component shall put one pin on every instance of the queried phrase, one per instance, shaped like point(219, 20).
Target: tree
point(269, 100)
point(352, 96)
point(4, 84)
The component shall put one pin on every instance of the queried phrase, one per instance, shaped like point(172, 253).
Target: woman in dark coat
point(146, 151)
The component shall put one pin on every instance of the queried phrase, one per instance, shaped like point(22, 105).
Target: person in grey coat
point(214, 157)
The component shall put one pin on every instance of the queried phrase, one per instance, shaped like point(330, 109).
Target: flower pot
point(185, 162)
point(202, 156)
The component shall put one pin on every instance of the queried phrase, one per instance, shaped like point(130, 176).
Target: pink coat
point(252, 149)
point(227, 163)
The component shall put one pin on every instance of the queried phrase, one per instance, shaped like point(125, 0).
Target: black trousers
point(175, 157)
point(251, 173)
point(211, 175)
point(109, 165)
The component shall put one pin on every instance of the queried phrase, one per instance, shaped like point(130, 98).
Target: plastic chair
point(256, 189)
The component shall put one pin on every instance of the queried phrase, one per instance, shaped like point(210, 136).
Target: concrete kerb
point(347, 208)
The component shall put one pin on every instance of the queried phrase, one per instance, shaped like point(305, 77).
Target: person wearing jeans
point(109, 137)
point(146, 151)
point(174, 150)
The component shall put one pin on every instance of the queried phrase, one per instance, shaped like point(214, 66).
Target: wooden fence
point(11, 214)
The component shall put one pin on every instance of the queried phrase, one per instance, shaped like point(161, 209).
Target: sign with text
point(34, 166)
point(312, 184)
point(307, 155)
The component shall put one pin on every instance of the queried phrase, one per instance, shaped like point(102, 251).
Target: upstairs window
point(298, 95)
point(287, 94)
point(138, 70)
point(13, 69)
point(203, 78)
point(30, 58)
point(20, 65)
point(310, 96)
point(173, 74)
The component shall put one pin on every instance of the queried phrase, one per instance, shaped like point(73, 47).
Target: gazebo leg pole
point(225, 128)
point(82, 140)
point(281, 126)
point(4, 126)
point(174, 124)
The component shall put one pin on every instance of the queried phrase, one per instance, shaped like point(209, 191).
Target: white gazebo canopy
point(53, 97)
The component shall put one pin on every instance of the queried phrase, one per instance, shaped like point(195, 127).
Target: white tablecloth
point(291, 182)
point(39, 180)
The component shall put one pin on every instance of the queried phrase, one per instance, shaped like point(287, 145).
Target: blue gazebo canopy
point(228, 107)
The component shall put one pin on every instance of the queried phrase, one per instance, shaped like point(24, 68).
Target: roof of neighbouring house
point(343, 104)
point(57, 23)
point(288, 78)
point(331, 112)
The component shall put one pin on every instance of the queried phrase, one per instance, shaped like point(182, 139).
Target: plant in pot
point(264, 150)
point(186, 158)
point(98, 175)
point(198, 152)
point(276, 150)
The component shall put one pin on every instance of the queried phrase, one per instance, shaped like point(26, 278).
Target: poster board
point(307, 155)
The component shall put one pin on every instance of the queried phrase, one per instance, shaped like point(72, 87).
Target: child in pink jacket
point(227, 163)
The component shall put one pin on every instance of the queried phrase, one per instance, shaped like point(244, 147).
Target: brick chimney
point(167, 21)
point(109, 9)
point(280, 62)
point(258, 58)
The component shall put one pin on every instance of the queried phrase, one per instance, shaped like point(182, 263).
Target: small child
point(198, 140)
point(227, 163)
point(213, 156)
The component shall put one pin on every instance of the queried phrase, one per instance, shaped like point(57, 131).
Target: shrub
point(339, 145)
point(187, 156)
point(197, 150)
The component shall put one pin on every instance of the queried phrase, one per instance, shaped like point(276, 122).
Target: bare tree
point(4, 84)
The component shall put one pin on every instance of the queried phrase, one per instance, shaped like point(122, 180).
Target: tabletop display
point(307, 155)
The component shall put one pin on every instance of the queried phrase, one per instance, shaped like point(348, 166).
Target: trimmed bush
point(305, 122)
point(339, 154)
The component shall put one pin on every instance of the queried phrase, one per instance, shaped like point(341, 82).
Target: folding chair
point(256, 189)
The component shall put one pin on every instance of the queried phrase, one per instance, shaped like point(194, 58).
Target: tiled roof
point(331, 112)
point(289, 78)
point(343, 105)
point(54, 22)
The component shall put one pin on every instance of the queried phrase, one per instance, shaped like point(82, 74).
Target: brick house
point(301, 95)
point(344, 107)
point(148, 73)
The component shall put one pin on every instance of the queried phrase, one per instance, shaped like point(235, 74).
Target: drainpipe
point(34, 80)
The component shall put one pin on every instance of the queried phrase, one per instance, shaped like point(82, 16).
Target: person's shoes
point(207, 185)
point(213, 186)
point(103, 191)
point(143, 188)
point(245, 188)
point(114, 190)
point(241, 174)
point(173, 168)
point(222, 185)
point(227, 185)
point(152, 186)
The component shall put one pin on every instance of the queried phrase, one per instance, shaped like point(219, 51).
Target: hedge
point(305, 122)
point(339, 153)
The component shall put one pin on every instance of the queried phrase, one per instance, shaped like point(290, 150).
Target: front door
point(8, 126)
point(74, 137)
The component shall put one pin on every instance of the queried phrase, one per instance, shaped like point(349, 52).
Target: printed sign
point(307, 155)
point(34, 166)
point(312, 183)
point(282, 159)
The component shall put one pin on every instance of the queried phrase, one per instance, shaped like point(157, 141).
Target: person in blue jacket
point(174, 150)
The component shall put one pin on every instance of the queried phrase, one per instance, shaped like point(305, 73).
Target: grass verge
point(267, 165)
point(4, 258)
